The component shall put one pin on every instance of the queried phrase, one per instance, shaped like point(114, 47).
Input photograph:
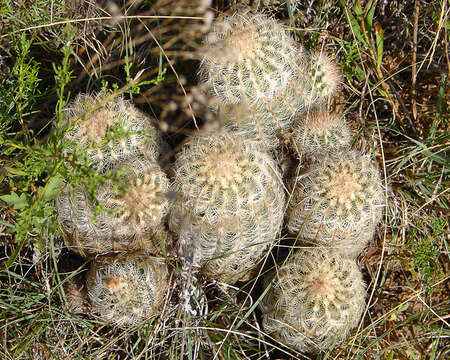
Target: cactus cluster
point(125, 290)
point(316, 298)
point(250, 59)
point(136, 208)
point(230, 202)
point(116, 139)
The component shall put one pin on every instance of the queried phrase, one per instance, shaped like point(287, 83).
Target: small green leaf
point(18, 202)
point(370, 10)
point(379, 36)
point(51, 189)
point(357, 9)
point(16, 171)
point(353, 23)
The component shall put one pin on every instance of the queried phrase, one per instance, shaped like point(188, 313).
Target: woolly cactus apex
point(249, 57)
point(125, 290)
point(136, 210)
point(319, 133)
point(325, 77)
point(109, 131)
point(338, 203)
point(316, 298)
point(230, 203)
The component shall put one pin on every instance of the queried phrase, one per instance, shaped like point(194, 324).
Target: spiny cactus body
point(325, 77)
point(319, 133)
point(337, 203)
point(249, 58)
point(230, 202)
point(125, 290)
point(92, 121)
point(136, 210)
point(258, 123)
point(316, 298)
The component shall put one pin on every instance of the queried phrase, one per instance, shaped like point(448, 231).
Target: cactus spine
point(125, 290)
point(325, 77)
point(337, 203)
point(316, 298)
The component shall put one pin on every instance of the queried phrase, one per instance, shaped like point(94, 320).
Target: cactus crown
point(320, 133)
point(317, 297)
point(222, 172)
point(109, 131)
point(338, 203)
point(127, 289)
point(142, 203)
point(249, 58)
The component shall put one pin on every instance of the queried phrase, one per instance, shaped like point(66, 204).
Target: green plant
point(318, 133)
point(425, 252)
point(125, 290)
point(315, 299)
point(31, 172)
point(230, 203)
point(338, 202)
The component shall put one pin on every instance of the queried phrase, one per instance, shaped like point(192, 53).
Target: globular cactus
point(324, 77)
point(230, 203)
point(316, 298)
point(318, 133)
point(135, 211)
point(125, 290)
point(250, 58)
point(337, 203)
point(91, 121)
